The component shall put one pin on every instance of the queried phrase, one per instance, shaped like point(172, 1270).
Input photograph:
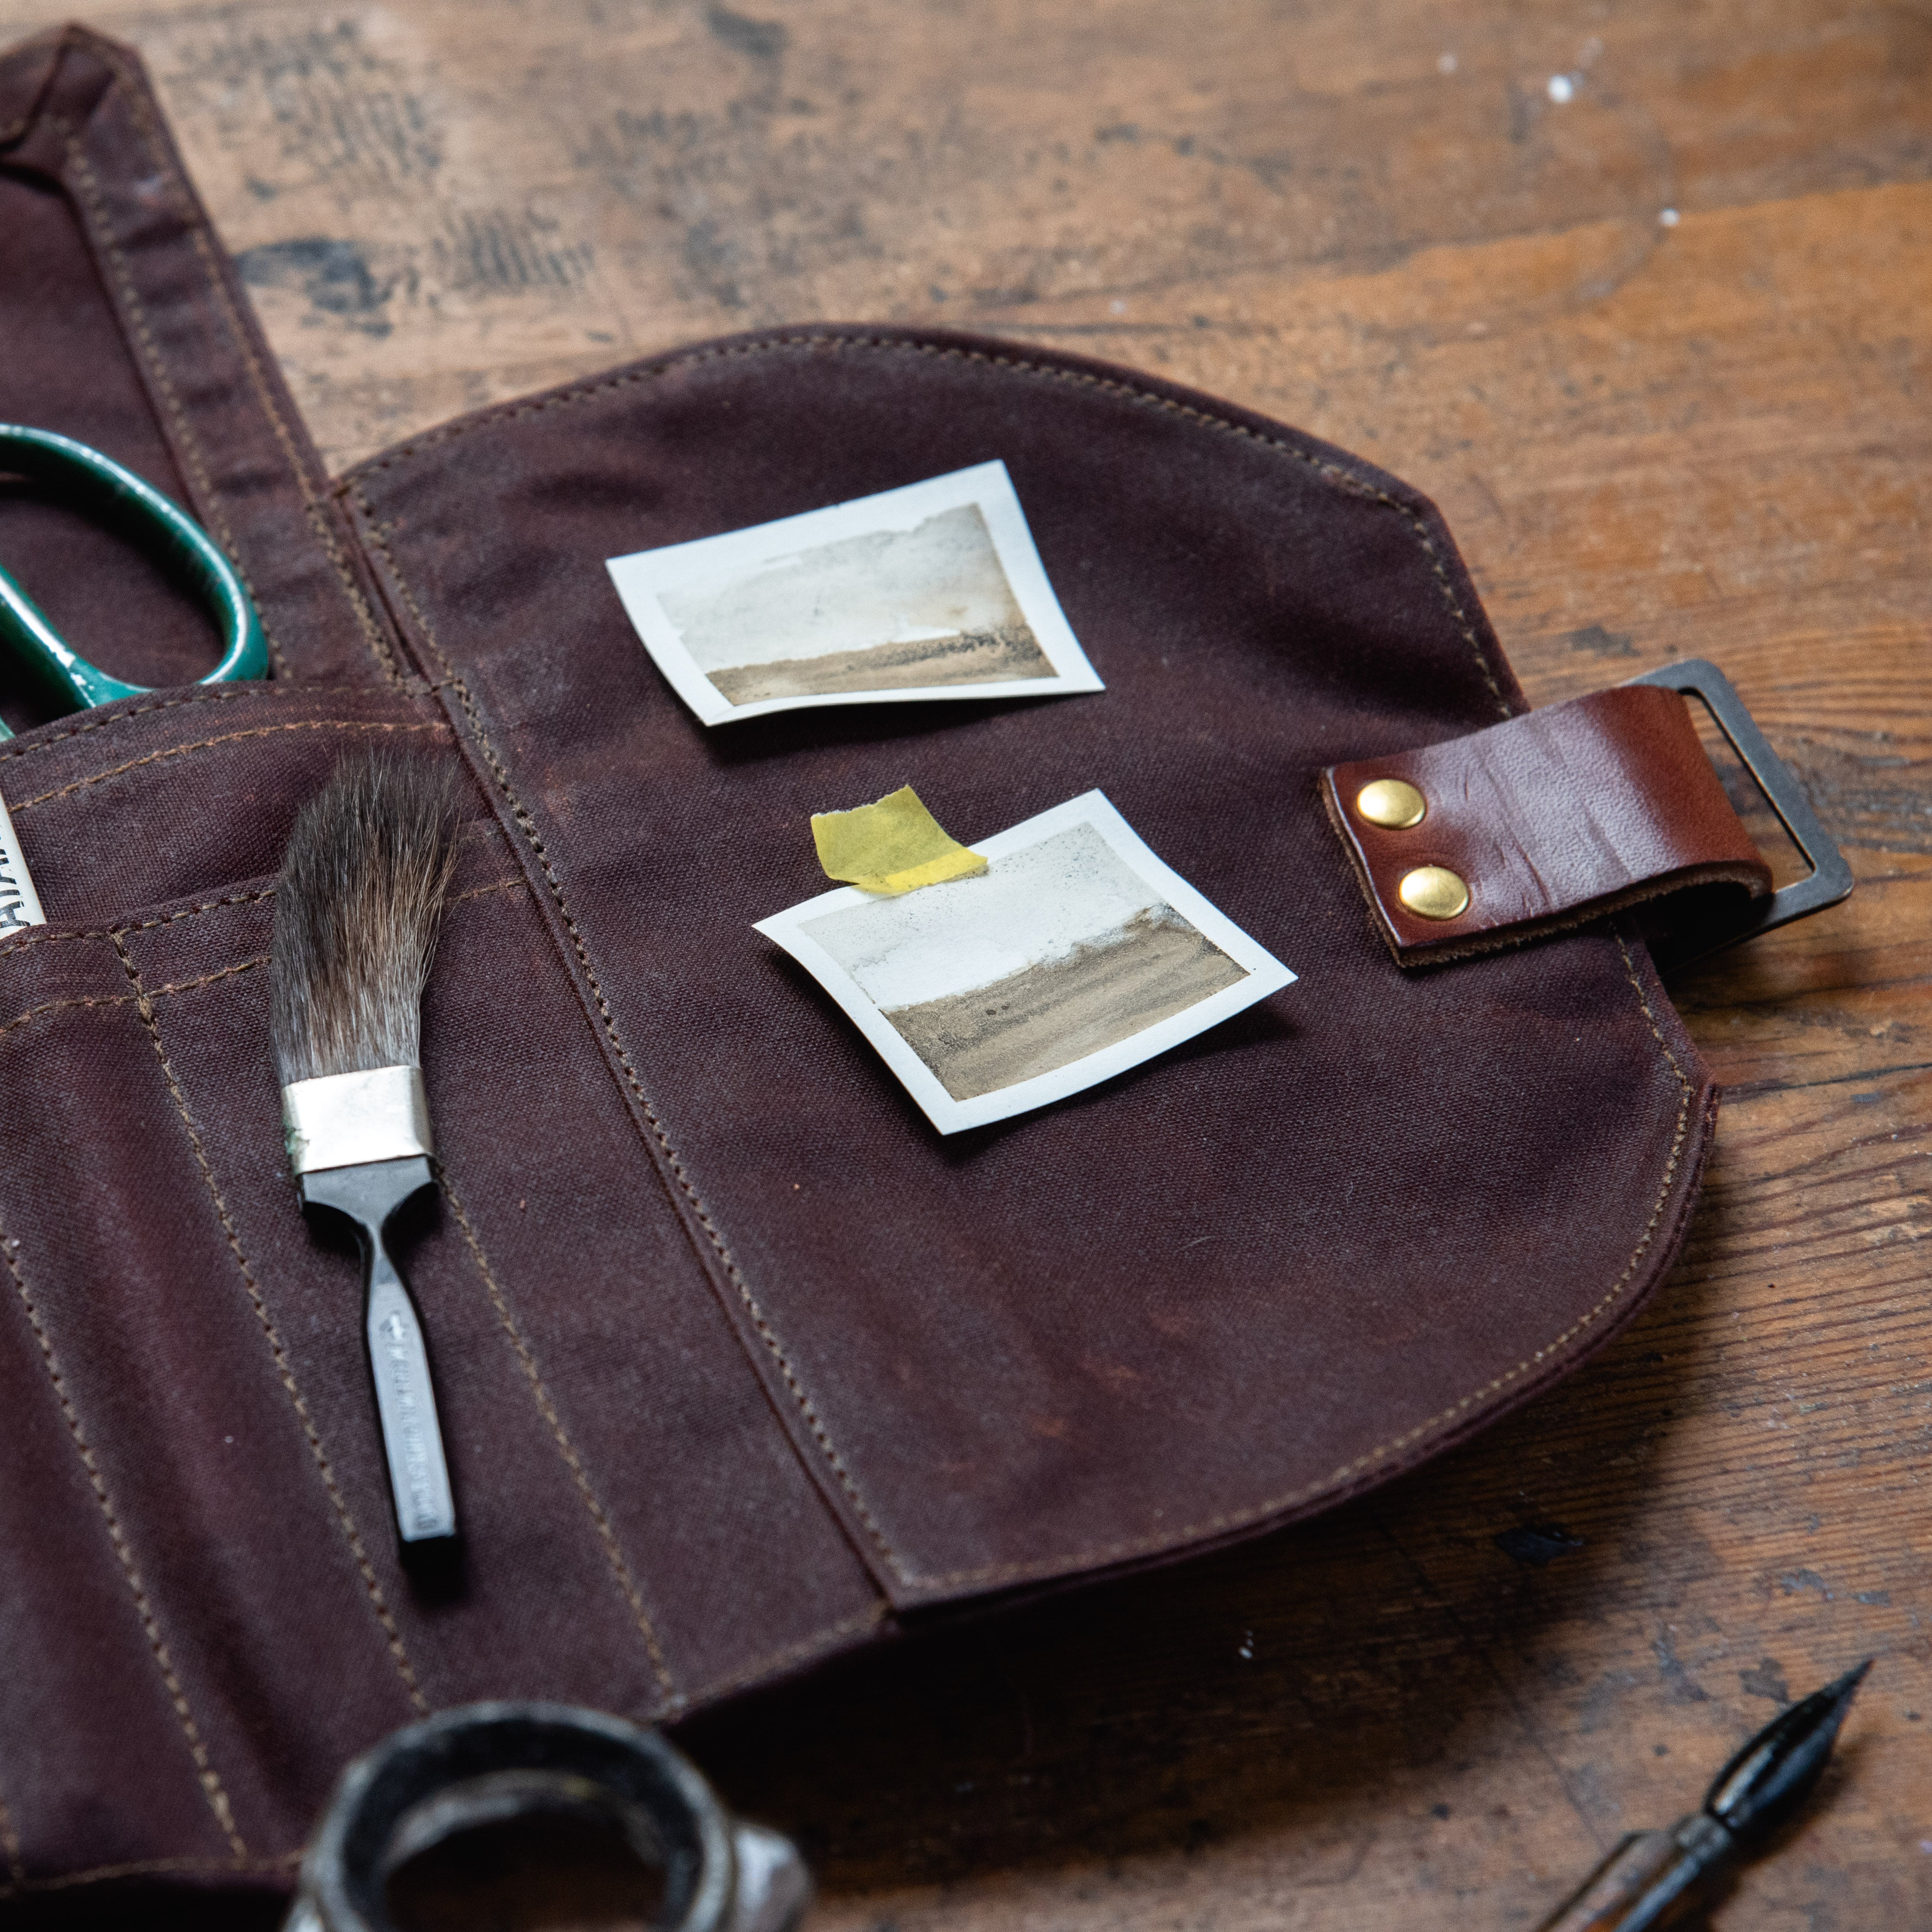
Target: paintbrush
point(356, 911)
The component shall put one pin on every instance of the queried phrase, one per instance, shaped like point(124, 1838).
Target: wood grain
point(1661, 349)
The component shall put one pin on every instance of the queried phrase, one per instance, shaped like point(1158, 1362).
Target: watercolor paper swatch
point(932, 591)
point(1075, 955)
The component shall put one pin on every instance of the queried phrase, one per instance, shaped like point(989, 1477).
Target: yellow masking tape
point(891, 846)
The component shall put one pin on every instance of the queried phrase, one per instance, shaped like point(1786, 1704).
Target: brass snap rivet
point(1434, 891)
point(1391, 804)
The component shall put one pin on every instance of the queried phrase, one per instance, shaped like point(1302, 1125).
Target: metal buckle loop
point(1831, 877)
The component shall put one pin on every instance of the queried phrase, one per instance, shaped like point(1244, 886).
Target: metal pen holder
point(487, 1765)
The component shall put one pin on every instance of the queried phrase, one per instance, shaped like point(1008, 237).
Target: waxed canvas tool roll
point(740, 1362)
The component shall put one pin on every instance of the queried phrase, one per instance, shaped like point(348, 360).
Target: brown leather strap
point(1556, 818)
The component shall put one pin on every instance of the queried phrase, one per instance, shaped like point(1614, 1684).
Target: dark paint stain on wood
point(1599, 643)
point(1538, 1543)
point(1683, 1687)
point(763, 39)
point(342, 111)
point(333, 276)
point(497, 252)
point(1795, 1580)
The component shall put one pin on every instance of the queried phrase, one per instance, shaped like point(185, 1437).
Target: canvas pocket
point(190, 1430)
point(179, 794)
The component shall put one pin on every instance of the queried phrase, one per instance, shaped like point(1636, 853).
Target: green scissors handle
point(41, 456)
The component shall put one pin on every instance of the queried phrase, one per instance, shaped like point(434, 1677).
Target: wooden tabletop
point(1642, 297)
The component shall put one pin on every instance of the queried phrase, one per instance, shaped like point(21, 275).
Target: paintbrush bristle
point(356, 911)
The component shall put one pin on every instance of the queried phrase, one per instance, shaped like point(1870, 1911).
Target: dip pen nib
point(1762, 1787)
point(1658, 1879)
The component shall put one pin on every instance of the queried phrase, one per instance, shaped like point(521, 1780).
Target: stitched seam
point(206, 979)
point(210, 1780)
point(9, 1842)
point(398, 1654)
point(1643, 1004)
point(145, 1868)
point(528, 827)
point(620, 1570)
point(189, 912)
point(480, 892)
point(205, 744)
point(313, 507)
point(1339, 474)
point(56, 1006)
point(1363, 1463)
point(137, 316)
point(212, 694)
point(791, 1654)
point(142, 926)
point(209, 693)
point(128, 999)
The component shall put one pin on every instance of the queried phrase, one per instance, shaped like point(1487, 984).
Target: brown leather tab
point(1556, 818)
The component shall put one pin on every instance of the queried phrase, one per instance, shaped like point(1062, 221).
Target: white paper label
point(19, 904)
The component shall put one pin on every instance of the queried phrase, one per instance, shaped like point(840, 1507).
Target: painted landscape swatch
point(934, 590)
point(1061, 949)
point(884, 611)
point(1043, 1017)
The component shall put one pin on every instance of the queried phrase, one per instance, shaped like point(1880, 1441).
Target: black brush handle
point(369, 1196)
point(406, 1401)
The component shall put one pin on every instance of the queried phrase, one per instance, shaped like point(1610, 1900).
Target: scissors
point(158, 527)
point(63, 675)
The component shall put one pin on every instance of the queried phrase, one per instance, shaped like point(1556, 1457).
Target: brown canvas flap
point(1268, 1268)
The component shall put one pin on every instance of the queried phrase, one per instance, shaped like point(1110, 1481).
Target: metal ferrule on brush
point(343, 1119)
